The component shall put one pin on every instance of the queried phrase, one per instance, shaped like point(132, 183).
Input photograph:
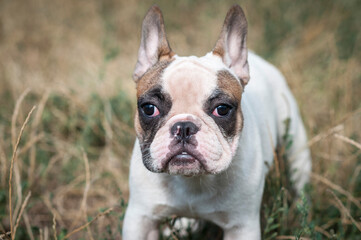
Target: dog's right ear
point(154, 45)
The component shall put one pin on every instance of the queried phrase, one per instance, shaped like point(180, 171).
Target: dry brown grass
point(76, 58)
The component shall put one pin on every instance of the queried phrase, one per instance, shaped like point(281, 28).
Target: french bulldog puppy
point(206, 132)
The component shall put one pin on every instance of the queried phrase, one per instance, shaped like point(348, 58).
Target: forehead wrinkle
point(188, 86)
point(191, 63)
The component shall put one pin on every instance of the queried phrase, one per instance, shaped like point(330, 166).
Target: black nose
point(183, 130)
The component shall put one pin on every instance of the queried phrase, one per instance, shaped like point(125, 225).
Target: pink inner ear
point(148, 52)
point(237, 56)
point(234, 47)
point(151, 44)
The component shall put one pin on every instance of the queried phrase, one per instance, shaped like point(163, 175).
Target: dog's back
point(277, 114)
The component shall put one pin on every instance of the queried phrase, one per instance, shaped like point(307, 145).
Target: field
point(67, 176)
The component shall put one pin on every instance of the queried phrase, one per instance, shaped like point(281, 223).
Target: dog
point(207, 128)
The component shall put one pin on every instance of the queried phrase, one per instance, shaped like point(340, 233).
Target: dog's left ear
point(231, 45)
point(154, 45)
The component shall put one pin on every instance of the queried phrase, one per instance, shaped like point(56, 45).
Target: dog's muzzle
point(183, 157)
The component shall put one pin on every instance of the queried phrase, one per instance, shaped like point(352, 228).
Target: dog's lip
point(181, 154)
point(182, 159)
point(184, 156)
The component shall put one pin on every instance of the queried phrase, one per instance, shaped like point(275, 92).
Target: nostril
point(191, 129)
point(187, 132)
point(176, 130)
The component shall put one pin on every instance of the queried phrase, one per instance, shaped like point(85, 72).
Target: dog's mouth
point(184, 162)
point(182, 159)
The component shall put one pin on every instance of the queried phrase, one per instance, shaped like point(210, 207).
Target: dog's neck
point(209, 183)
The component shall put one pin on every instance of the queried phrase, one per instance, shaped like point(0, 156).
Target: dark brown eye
point(221, 110)
point(150, 110)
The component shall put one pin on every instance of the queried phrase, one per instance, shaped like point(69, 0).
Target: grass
point(76, 59)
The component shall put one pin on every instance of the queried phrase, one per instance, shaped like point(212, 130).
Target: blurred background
point(73, 60)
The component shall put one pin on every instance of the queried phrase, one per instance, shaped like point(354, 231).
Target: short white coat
point(231, 199)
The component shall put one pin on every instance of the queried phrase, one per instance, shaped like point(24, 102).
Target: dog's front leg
point(136, 226)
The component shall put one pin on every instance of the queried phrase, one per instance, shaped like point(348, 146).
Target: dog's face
point(189, 115)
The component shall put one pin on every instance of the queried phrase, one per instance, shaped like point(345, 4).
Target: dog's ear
point(154, 45)
point(231, 45)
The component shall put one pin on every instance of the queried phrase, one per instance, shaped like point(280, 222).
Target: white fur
point(232, 198)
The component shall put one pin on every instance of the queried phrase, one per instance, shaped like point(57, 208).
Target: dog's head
point(189, 114)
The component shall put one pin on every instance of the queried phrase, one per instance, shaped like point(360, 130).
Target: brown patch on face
point(229, 92)
point(152, 76)
point(229, 84)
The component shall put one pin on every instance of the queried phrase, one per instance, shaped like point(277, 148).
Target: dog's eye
point(150, 110)
point(221, 110)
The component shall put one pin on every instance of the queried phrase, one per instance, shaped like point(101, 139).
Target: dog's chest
point(196, 198)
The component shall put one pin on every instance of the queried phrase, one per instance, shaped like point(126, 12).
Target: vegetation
point(73, 60)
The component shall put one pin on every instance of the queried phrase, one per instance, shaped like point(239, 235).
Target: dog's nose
point(183, 130)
